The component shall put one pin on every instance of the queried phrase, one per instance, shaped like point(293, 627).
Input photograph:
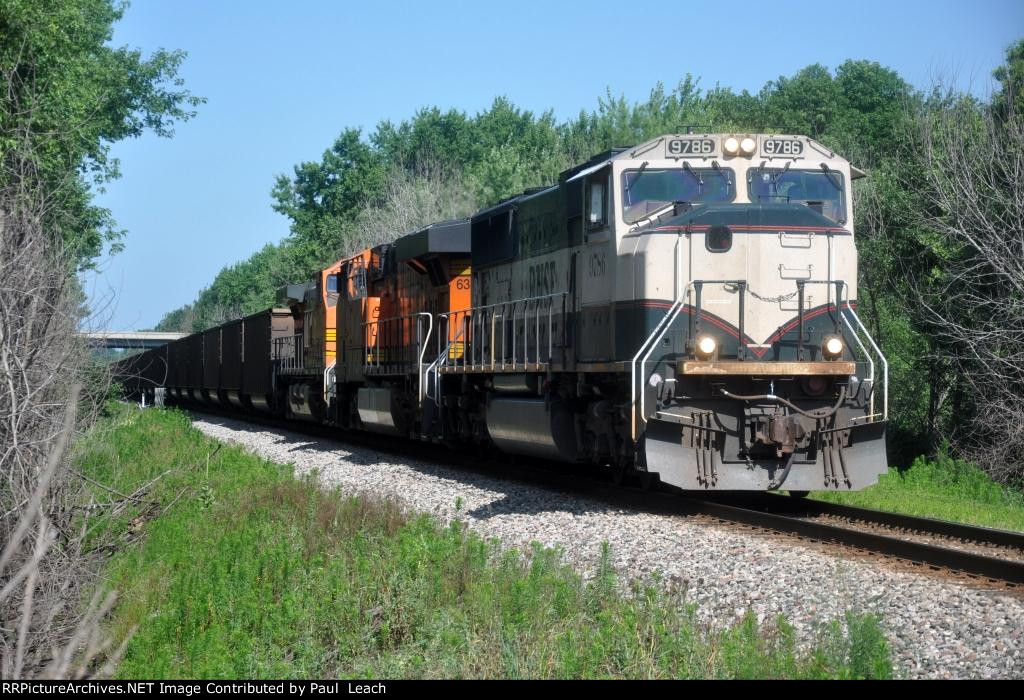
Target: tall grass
point(244, 571)
point(944, 488)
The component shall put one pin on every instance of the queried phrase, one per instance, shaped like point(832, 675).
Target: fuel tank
point(532, 426)
point(378, 411)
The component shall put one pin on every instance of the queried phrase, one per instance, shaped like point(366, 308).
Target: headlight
point(748, 145)
point(731, 146)
point(832, 347)
point(706, 346)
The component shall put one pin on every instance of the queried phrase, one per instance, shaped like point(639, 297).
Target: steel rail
point(926, 526)
point(991, 568)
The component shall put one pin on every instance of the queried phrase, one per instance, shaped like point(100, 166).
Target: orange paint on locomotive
point(459, 299)
point(329, 296)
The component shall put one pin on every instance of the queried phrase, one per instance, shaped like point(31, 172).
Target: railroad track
point(1005, 544)
point(803, 520)
point(930, 545)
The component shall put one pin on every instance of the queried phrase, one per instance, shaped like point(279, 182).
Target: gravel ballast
point(937, 629)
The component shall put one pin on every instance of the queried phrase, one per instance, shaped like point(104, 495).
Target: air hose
point(824, 413)
point(776, 483)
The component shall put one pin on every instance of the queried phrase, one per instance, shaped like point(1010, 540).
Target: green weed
point(944, 488)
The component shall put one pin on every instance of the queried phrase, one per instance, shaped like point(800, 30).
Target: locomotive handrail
point(503, 303)
point(652, 341)
point(871, 363)
point(442, 357)
point(655, 337)
point(885, 363)
point(396, 346)
point(421, 378)
point(494, 323)
point(844, 311)
point(842, 308)
point(481, 326)
point(329, 383)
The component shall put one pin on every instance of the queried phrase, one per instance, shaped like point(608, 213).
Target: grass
point(235, 569)
point(945, 488)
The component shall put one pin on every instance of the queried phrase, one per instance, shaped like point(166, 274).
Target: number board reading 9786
point(681, 148)
point(782, 147)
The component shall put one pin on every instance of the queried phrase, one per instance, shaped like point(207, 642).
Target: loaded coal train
point(681, 311)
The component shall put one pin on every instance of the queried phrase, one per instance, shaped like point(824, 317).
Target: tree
point(66, 95)
point(320, 196)
point(972, 301)
point(870, 117)
point(804, 104)
point(432, 139)
point(1009, 99)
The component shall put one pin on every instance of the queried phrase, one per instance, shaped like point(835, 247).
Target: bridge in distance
point(129, 340)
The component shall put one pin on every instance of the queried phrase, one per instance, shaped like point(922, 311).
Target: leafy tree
point(66, 95)
point(1010, 96)
point(872, 102)
point(431, 140)
point(804, 104)
point(321, 195)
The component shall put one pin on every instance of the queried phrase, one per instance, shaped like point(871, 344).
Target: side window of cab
point(596, 205)
point(332, 289)
point(356, 288)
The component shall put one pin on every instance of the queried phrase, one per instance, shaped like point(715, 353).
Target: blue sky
point(283, 79)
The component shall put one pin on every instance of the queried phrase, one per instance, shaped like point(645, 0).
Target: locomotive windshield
point(647, 190)
point(820, 190)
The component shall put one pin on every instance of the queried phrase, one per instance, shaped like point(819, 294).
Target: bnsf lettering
point(542, 278)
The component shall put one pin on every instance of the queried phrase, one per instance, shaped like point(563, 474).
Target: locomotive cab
point(749, 366)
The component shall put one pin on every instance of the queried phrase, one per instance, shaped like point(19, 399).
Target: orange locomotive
point(362, 327)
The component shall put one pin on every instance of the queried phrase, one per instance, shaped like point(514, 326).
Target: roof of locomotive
point(597, 159)
point(294, 293)
point(671, 147)
point(442, 237)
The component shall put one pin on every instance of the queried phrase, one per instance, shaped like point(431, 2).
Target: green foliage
point(944, 488)
point(1010, 97)
point(240, 570)
point(320, 195)
point(66, 95)
point(912, 263)
point(241, 289)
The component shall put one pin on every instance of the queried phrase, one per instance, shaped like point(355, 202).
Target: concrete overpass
point(129, 340)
